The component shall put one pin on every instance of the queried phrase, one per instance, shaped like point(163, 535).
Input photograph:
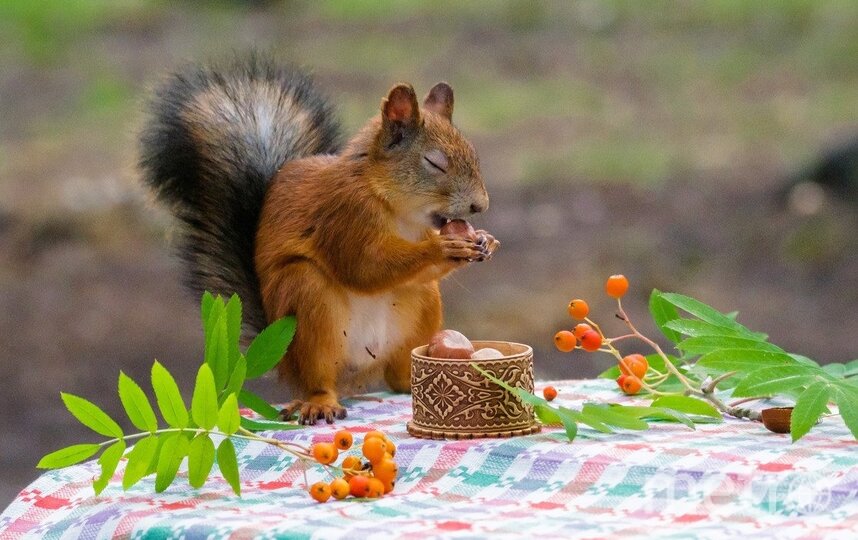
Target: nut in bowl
point(452, 400)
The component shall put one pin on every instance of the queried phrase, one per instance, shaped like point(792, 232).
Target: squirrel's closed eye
point(435, 161)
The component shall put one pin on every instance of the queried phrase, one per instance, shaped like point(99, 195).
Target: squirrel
point(345, 237)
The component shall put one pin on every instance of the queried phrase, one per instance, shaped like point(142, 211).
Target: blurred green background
point(648, 138)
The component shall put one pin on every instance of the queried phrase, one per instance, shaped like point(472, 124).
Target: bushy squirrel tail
point(213, 140)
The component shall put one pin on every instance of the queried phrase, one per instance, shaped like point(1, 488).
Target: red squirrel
point(247, 157)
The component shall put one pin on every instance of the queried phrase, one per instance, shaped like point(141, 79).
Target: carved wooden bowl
point(452, 400)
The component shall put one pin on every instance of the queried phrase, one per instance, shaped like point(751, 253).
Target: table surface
point(720, 480)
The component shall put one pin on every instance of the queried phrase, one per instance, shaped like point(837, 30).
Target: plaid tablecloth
point(728, 480)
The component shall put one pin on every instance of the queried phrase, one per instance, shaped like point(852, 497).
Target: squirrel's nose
point(480, 205)
point(476, 208)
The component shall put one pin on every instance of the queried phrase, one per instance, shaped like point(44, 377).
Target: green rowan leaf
point(697, 328)
point(846, 397)
point(228, 464)
point(68, 456)
point(268, 348)
point(686, 404)
point(808, 408)
point(201, 456)
point(169, 398)
point(173, 451)
point(217, 351)
point(835, 370)
point(655, 413)
point(136, 404)
point(744, 360)
point(267, 425)
point(706, 344)
point(204, 407)
point(233, 331)
point(228, 418)
point(236, 378)
point(90, 415)
point(108, 460)
point(140, 459)
point(206, 308)
point(775, 380)
point(614, 416)
point(587, 420)
point(258, 405)
point(663, 312)
point(702, 311)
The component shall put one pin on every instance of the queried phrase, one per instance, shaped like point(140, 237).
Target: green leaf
point(585, 419)
point(268, 348)
point(136, 404)
point(687, 405)
point(835, 370)
point(228, 464)
point(172, 453)
point(108, 460)
point(168, 396)
point(267, 425)
point(204, 401)
point(614, 416)
point(217, 351)
point(696, 328)
point(808, 408)
point(774, 380)
point(201, 456)
point(68, 456)
point(140, 458)
point(801, 359)
point(851, 368)
point(662, 312)
point(228, 418)
point(655, 413)
point(569, 424)
point(258, 405)
point(90, 415)
point(846, 397)
point(233, 331)
point(744, 360)
point(611, 373)
point(707, 344)
point(702, 311)
point(206, 308)
point(236, 378)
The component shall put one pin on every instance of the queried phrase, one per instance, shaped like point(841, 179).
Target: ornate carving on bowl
point(453, 400)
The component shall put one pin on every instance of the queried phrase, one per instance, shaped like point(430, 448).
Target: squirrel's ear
point(440, 100)
point(400, 113)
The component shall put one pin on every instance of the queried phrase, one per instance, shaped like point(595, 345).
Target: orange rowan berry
point(549, 393)
point(386, 469)
point(578, 309)
point(388, 485)
point(320, 491)
point(325, 453)
point(359, 486)
point(620, 380)
point(391, 447)
point(374, 449)
point(343, 439)
point(350, 463)
point(375, 488)
point(565, 341)
point(339, 488)
point(631, 385)
point(616, 286)
point(581, 329)
point(374, 433)
point(591, 341)
point(634, 364)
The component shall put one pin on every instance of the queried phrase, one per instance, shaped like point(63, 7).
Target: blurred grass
point(593, 91)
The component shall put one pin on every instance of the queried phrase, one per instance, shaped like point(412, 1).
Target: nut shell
point(459, 227)
point(777, 419)
point(486, 353)
point(450, 344)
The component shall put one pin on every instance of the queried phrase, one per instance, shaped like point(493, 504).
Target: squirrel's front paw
point(309, 412)
point(487, 242)
point(462, 249)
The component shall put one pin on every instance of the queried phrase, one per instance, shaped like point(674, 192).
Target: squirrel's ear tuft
point(440, 100)
point(400, 114)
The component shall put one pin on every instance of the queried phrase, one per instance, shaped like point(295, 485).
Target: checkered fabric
point(720, 481)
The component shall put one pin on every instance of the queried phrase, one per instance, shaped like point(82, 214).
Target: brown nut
point(486, 353)
point(459, 227)
point(777, 419)
point(450, 344)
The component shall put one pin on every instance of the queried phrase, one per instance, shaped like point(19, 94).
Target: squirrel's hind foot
point(311, 411)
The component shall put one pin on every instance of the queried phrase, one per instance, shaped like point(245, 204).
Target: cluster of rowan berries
point(588, 336)
point(371, 477)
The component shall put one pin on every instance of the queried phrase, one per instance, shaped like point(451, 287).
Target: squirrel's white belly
point(374, 328)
